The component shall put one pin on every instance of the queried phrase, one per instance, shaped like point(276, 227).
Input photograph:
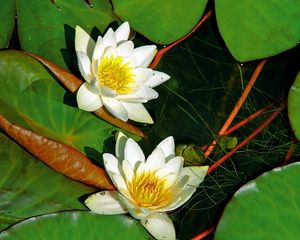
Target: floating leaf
point(30, 97)
point(47, 29)
point(161, 21)
point(266, 208)
point(77, 225)
point(29, 188)
point(258, 29)
point(7, 21)
point(60, 157)
point(294, 106)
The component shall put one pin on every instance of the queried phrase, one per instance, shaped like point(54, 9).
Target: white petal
point(127, 170)
point(111, 163)
point(120, 145)
point(110, 51)
point(144, 55)
point(185, 195)
point(87, 99)
point(105, 202)
point(142, 167)
point(133, 153)
point(172, 166)
point(137, 112)
point(107, 92)
point(125, 49)
point(171, 179)
point(84, 65)
point(131, 60)
point(142, 75)
point(122, 33)
point(83, 42)
point(168, 147)
point(160, 226)
point(109, 39)
point(136, 212)
point(142, 95)
point(99, 49)
point(157, 78)
point(156, 159)
point(120, 183)
point(115, 108)
point(196, 174)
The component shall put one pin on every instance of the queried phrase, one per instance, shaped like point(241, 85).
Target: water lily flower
point(147, 188)
point(116, 74)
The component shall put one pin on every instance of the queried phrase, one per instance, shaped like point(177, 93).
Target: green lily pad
point(7, 21)
point(294, 106)
point(266, 208)
point(28, 187)
point(258, 29)
point(31, 97)
point(161, 21)
point(77, 225)
point(47, 29)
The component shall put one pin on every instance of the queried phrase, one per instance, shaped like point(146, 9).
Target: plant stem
point(203, 234)
point(162, 51)
point(238, 105)
point(289, 153)
point(245, 141)
point(246, 120)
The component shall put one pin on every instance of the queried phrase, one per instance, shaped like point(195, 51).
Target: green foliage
point(205, 83)
point(158, 20)
point(29, 188)
point(47, 29)
point(266, 208)
point(258, 29)
point(7, 21)
point(293, 106)
point(77, 225)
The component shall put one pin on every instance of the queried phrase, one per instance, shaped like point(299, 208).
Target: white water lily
point(147, 188)
point(117, 74)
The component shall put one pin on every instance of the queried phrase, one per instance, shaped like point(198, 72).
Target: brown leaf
point(59, 156)
point(72, 83)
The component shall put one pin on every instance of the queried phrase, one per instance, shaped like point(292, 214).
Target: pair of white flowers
point(147, 188)
point(117, 74)
point(117, 77)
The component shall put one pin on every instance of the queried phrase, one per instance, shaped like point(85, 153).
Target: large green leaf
point(161, 21)
point(293, 106)
point(258, 29)
point(265, 208)
point(77, 225)
point(29, 188)
point(7, 21)
point(47, 29)
point(31, 97)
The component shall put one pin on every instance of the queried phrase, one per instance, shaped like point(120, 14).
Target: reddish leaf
point(59, 156)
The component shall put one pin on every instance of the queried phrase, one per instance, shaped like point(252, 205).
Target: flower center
point(148, 190)
point(115, 74)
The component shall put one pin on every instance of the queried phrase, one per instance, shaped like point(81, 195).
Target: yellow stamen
point(115, 74)
point(148, 190)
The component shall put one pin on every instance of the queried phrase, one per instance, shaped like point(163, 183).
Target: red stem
point(246, 120)
point(289, 153)
point(162, 51)
point(238, 105)
point(203, 234)
point(245, 141)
